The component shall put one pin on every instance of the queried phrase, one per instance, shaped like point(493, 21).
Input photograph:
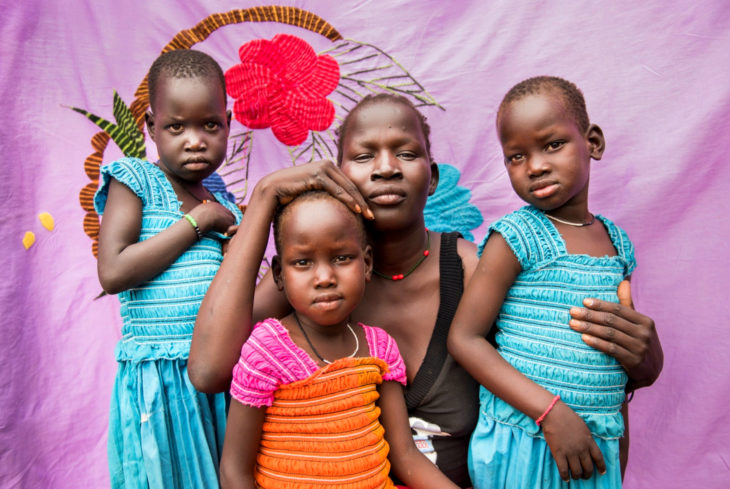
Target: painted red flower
point(283, 84)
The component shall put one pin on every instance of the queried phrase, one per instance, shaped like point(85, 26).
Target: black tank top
point(442, 393)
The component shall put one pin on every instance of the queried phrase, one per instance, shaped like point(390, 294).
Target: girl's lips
point(545, 191)
point(196, 165)
point(387, 199)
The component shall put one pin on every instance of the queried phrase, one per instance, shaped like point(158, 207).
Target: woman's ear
point(596, 141)
point(367, 255)
point(276, 272)
point(149, 120)
point(434, 179)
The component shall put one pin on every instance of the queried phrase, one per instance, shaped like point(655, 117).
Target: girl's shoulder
point(143, 178)
point(384, 347)
point(620, 240)
point(529, 235)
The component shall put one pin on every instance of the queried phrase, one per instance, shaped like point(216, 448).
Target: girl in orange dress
point(318, 401)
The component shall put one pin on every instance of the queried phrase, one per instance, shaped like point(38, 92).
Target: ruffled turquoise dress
point(507, 449)
point(162, 432)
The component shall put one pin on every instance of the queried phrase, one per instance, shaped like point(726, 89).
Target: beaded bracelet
point(194, 224)
point(549, 408)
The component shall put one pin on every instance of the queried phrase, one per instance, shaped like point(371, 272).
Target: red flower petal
point(283, 84)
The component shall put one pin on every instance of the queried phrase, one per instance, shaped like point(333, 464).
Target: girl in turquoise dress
point(551, 406)
point(160, 244)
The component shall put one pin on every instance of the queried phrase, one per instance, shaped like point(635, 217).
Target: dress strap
point(451, 286)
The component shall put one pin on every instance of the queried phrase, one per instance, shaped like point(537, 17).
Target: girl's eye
point(342, 259)
point(553, 145)
point(514, 159)
point(211, 126)
point(302, 262)
point(362, 158)
point(407, 155)
point(175, 128)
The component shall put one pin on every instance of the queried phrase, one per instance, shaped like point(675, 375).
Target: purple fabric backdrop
point(656, 78)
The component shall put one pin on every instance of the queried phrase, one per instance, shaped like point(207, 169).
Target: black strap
point(451, 286)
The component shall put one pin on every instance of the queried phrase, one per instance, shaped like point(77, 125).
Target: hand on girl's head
point(316, 175)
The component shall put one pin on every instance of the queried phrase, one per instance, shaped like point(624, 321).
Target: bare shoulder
point(468, 253)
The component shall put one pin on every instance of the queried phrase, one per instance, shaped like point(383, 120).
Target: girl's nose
point(195, 141)
point(324, 275)
point(537, 165)
point(386, 165)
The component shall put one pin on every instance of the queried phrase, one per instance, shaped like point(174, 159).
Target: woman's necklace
point(401, 276)
point(571, 223)
point(357, 342)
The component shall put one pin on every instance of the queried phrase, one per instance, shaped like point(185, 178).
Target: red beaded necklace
point(401, 276)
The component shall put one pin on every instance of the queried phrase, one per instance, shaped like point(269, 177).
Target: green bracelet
point(194, 224)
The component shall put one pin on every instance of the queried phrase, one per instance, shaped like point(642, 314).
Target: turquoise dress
point(507, 449)
point(162, 432)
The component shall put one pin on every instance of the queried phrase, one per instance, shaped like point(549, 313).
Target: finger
point(626, 357)
point(351, 192)
point(597, 457)
point(576, 469)
point(231, 230)
point(593, 306)
point(624, 294)
point(563, 468)
point(586, 463)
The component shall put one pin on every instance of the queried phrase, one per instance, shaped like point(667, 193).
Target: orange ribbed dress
point(322, 431)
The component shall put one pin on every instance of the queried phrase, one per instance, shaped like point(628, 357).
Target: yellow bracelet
point(194, 224)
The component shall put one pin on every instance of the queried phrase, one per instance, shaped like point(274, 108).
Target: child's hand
point(211, 216)
point(571, 444)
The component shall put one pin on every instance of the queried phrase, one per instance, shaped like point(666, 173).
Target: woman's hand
point(287, 183)
point(571, 444)
point(618, 330)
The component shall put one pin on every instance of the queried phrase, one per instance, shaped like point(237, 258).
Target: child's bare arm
point(243, 434)
point(567, 435)
point(123, 262)
point(225, 316)
point(407, 462)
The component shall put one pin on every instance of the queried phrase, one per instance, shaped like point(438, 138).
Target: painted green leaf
point(125, 132)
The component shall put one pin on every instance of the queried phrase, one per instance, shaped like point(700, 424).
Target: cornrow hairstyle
point(283, 210)
point(184, 63)
point(341, 132)
point(572, 97)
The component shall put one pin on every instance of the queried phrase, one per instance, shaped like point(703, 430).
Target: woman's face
point(384, 154)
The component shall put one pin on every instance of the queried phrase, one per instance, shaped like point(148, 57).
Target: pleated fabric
point(323, 432)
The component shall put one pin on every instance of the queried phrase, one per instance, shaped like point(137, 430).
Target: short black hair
point(282, 210)
point(572, 97)
point(184, 63)
point(341, 131)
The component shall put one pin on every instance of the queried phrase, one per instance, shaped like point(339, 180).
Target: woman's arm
point(407, 462)
point(570, 441)
point(225, 317)
point(243, 435)
point(618, 330)
point(124, 261)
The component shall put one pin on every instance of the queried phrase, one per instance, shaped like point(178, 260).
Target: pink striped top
point(270, 358)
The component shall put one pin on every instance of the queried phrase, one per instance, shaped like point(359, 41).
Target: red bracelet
point(549, 408)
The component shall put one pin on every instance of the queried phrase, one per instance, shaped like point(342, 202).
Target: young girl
point(159, 248)
point(544, 390)
point(311, 390)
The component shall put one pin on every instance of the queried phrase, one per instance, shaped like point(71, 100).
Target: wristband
point(194, 224)
point(549, 408)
